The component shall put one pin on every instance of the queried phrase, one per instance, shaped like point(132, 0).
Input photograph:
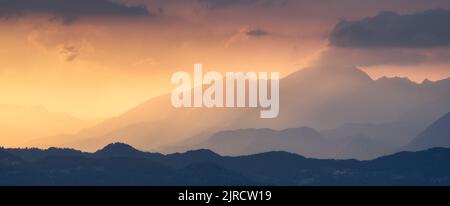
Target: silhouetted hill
point(6, 158)
point(118, 149)
point(123, 150)
point(436, 135)
point(204, 167)
point(33, 154)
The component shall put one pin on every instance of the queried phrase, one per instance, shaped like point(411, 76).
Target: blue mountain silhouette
point(121, 164)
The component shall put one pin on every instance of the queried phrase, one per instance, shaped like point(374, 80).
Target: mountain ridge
point(320, 98)
point(204, 167)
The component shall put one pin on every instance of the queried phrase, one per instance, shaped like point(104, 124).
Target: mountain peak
point(117, 149)
point(427, 81)
point(197, 154)
point(338, 75)
point(396, 80)
point(201, 152)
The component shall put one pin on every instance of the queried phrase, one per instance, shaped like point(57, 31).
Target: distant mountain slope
point(321, 98)
point(304, 141)
point(19, 124)
point(435, 135)
point(203, 167)
point(395, 134)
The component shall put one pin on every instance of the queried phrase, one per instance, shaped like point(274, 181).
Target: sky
point(98, 58)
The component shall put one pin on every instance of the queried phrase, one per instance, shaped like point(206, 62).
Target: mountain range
point(303, 140)
point(121, 164)
point(336, 102)
point(349, 141)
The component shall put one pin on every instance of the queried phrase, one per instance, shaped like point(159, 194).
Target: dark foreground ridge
point(121, 164)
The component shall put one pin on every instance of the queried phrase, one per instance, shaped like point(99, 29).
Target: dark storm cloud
point(391, 30)
point(68, 10)
point(257, 33)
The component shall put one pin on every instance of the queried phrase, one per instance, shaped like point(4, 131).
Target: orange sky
point(100, 67)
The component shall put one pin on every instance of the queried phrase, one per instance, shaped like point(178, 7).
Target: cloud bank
point(218, 4)
point(392, 30)
point(68, 10)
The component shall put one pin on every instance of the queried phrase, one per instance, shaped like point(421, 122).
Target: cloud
point(350, 57)
point(368, 57)
point(239, 36)
point(244, 34)
point(392, 30)
point(217, 4)
point(69, 52)
point(68, 10)
point(257, 32)
point(59, 42)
